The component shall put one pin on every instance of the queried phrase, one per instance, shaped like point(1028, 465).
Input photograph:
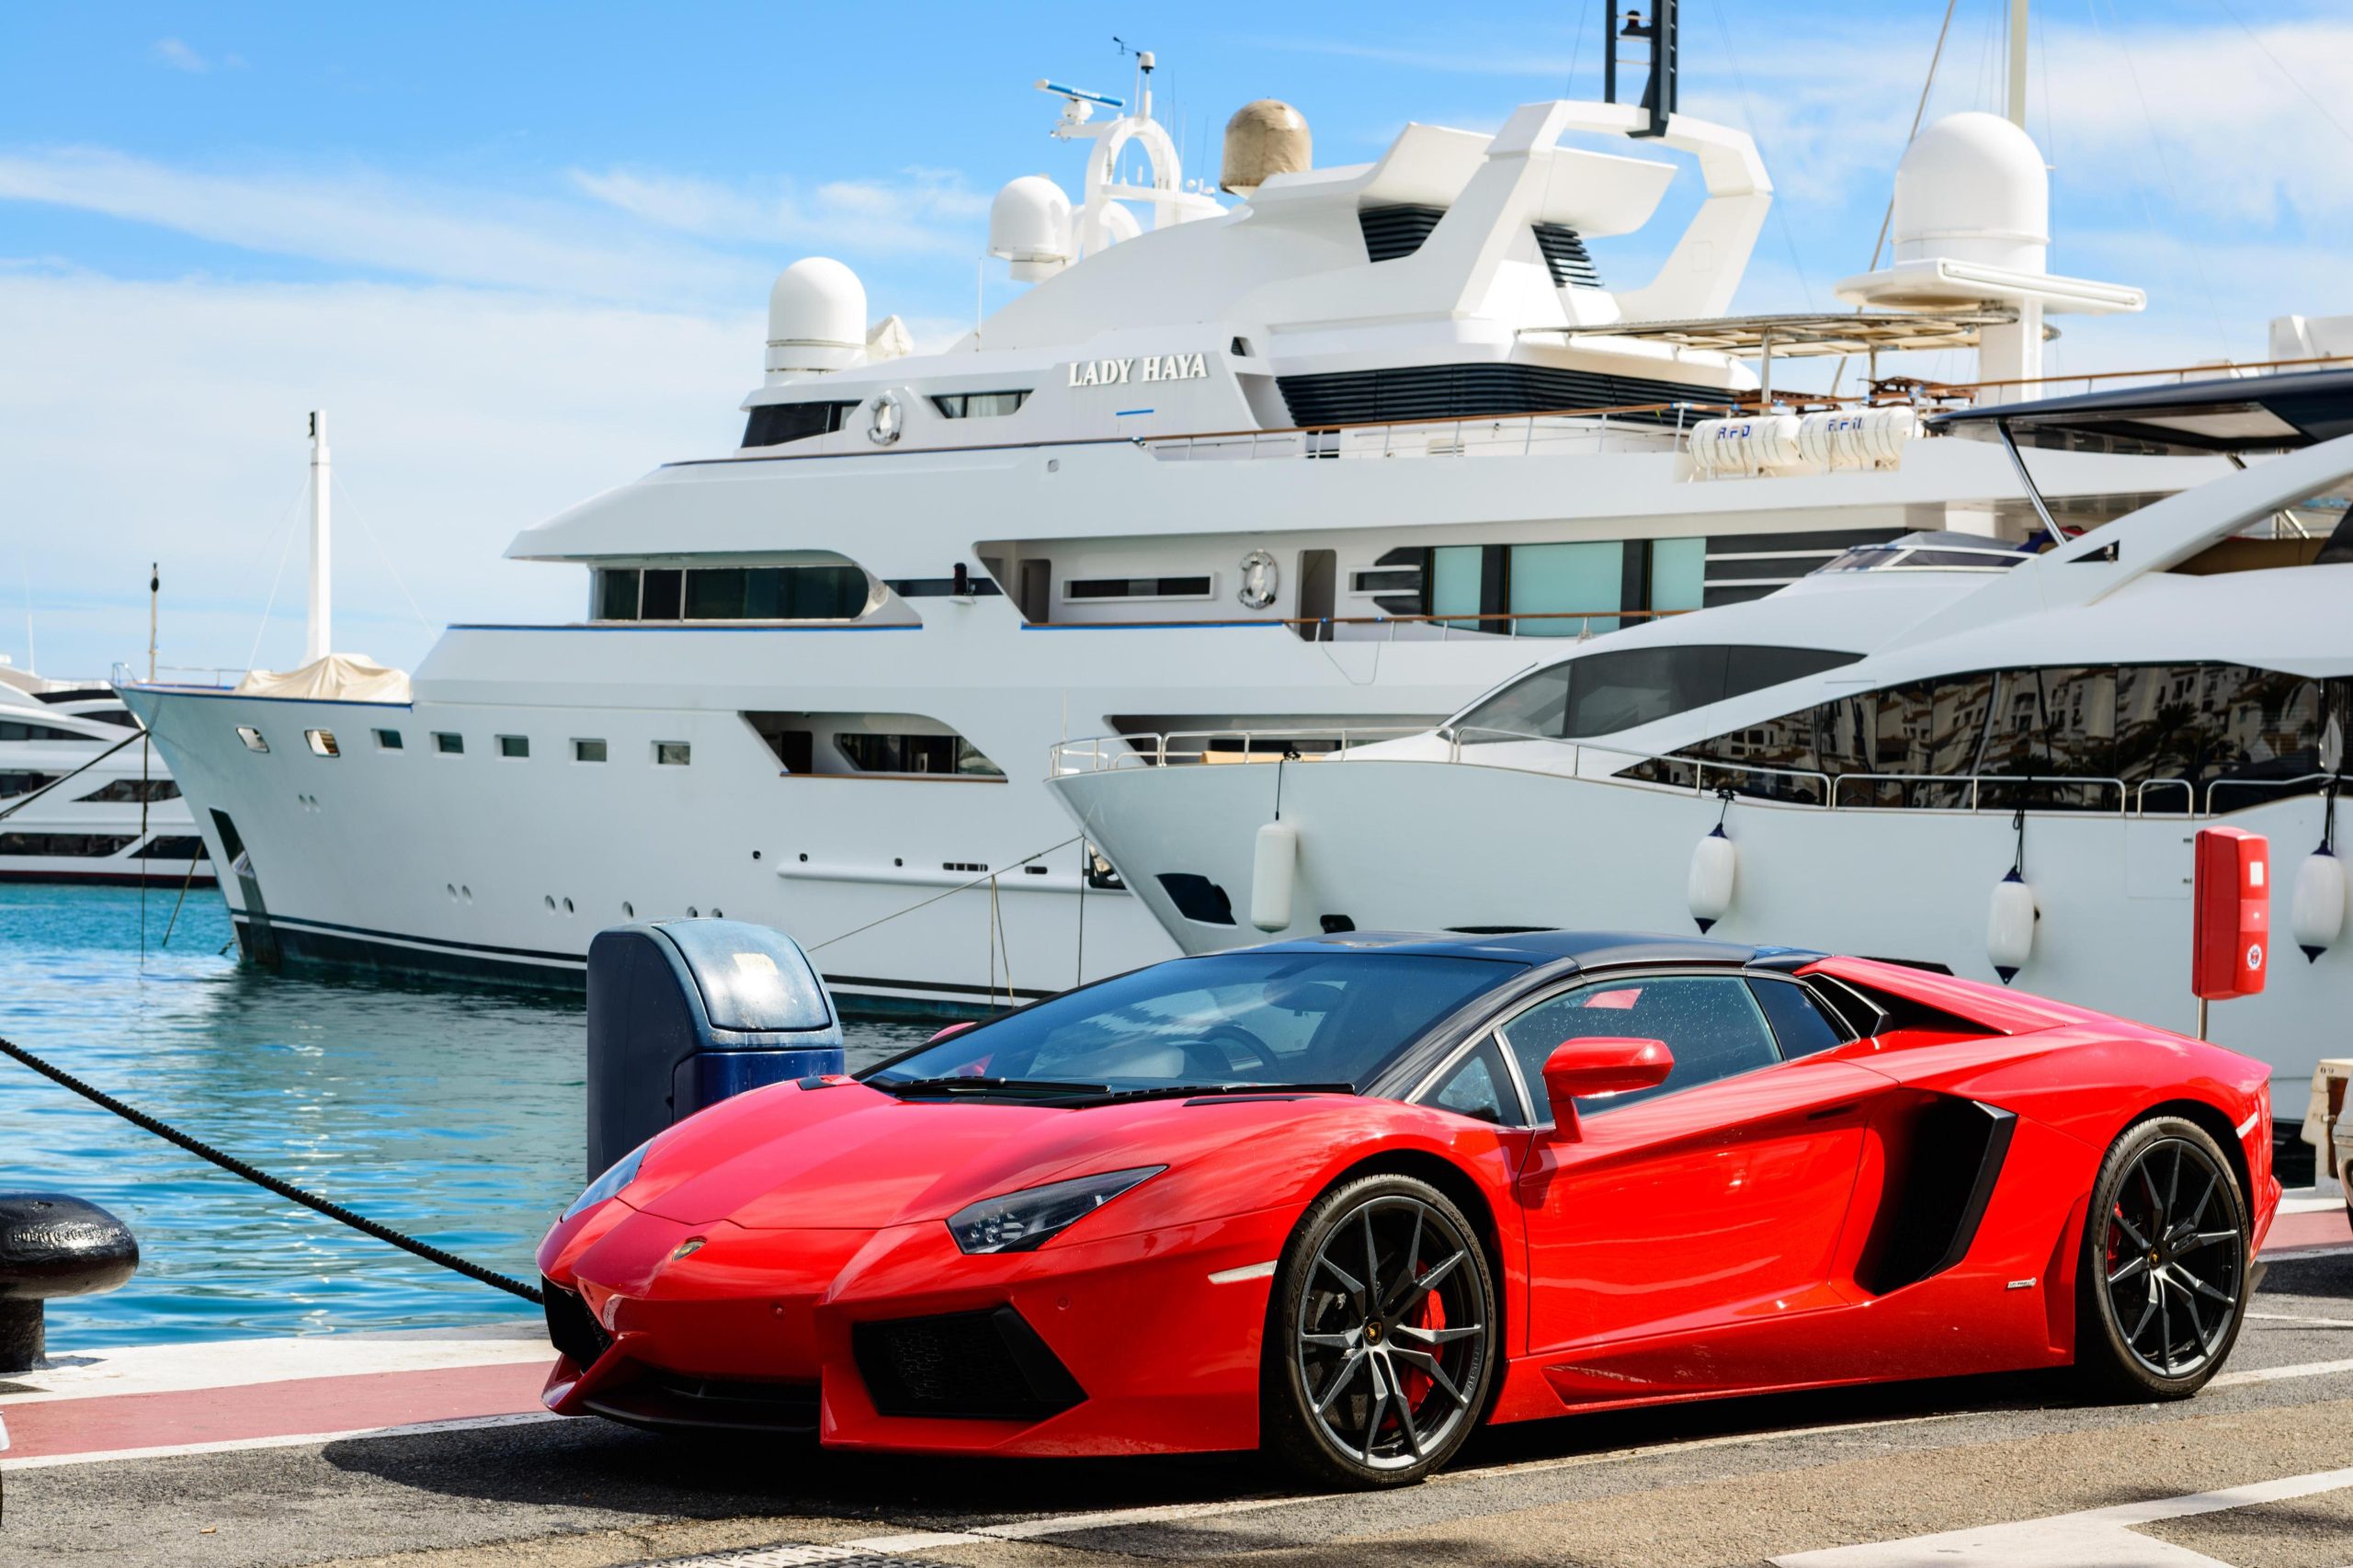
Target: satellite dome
point(816, 317)
point(1264, 137)
point(1029, 226)
point(1973, 187)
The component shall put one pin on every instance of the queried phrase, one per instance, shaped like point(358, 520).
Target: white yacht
point(1985, 756)
point(81, 799)
point(1338, 454)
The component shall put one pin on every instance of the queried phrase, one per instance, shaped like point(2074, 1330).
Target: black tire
point(1366, 1394)
point(2162, 1277)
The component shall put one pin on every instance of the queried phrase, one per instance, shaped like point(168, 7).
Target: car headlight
point(1026, 1220)
point(622, 1172)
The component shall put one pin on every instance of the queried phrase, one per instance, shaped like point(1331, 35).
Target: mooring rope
point(286, 1189)
point(62, 778)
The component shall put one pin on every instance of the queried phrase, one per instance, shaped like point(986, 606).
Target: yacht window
point(662, 594)
point(773, 424)
point(1386, 580)
point(673, 754)
point(514, 746)
point(1466, 580)
point(129, 789)
point(245, 732)
point(2172, 737)
point(71, 845)
point(1559, 587)
point(387, 740)
point(980, 405)
point(617, 593)
point(1197, 897)
point(1930, 552)
point(942, 587)
point(17, 730)
point(26, 783)
point(1602, 694)
point(916, 754)
point(187, 847)
point(587, 751)
point(321, 743)
point(448, 744)
point(1138, 588)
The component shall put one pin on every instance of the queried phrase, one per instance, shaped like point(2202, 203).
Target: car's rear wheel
point(1381, 1336)
point(2162, 1282)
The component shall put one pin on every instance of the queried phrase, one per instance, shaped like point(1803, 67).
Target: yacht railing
point(1110, 753)
point(1643, 427)
point(1397, 628)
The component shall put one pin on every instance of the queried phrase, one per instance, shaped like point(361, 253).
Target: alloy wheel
point(1392, 1337)
point(2175, 1258)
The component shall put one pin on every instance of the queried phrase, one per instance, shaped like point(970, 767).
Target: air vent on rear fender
point(1393, 231)
point(1565, 254)
point(1944, 1157)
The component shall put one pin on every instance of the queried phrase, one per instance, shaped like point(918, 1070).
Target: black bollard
point(54, 1245)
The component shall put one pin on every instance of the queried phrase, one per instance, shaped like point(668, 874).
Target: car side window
point(1711, 1024)
point(1798, 1023)
point(1479, 1086)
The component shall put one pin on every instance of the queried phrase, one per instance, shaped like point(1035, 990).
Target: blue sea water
point(452, 1115)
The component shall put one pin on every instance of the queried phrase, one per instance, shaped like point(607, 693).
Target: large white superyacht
point(1336, 455)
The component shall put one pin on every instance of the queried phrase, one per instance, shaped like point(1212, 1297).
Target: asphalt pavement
point(2256, 1472)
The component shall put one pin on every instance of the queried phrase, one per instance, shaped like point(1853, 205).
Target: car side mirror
point(1603, 1064)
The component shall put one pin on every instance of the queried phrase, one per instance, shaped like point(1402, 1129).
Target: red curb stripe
point(2326, 1227)
point(298, 1407)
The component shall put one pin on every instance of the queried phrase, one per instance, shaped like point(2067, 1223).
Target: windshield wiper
point(984, 1085)
point(1206, 1091)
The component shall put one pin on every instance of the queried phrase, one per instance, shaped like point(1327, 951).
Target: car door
point(1671, 1215)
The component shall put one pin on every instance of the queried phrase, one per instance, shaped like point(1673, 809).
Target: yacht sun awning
point(1799, 335)
point(2227, 413)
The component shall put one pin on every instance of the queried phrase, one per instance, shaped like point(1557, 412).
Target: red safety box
point(2231, 923)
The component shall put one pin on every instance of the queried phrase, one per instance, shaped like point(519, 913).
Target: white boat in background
point(81, 799)
point(1337, 455)
point(1946, 750)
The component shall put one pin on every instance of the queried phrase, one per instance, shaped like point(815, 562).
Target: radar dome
point(1264, 138)
point(816, 317)
point(1029, 226)
point(1973, 187)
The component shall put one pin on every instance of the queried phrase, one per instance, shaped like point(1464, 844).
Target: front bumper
point(894, 1339)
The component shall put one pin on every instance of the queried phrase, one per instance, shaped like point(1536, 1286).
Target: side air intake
point(1944, 1158)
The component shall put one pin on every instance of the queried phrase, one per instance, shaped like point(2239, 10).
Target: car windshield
point(1324, 1018)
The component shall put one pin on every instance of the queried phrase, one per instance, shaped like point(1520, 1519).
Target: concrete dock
point(428, 1450)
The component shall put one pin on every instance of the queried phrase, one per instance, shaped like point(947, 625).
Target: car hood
point(851, 1157)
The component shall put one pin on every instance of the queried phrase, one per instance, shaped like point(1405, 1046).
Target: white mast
point(2017, 63)
point(319, 630)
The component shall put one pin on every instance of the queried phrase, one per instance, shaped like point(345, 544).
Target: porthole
point(567, 906)
point(252, 737)
point(451, 889)
point(321, 743)
point(629, 910)
point(465, 893)
point(549, 899)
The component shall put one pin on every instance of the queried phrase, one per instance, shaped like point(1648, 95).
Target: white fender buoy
point(1715, 865)
point(2319, 917)
point(1273, 869)
point(2009, 926)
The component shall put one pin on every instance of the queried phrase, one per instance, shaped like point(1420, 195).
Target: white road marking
point(2309, 1322)
point(2302, 1204)
point(2097, 1537)
point(234, 1445)
point(913, 1540)
point(1248, 1271)
point(2274, 1374)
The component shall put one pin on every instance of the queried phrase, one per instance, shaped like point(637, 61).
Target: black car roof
point(1588, 950)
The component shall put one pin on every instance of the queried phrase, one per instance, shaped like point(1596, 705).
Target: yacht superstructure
point(1980, 755)
point(81, 799)
point(1339, 455)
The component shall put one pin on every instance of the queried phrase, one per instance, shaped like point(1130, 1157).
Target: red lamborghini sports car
point(1344, 1199)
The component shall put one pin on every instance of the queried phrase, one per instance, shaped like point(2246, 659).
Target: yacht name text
point(1148, 368)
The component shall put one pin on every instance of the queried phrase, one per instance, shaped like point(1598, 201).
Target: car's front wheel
point(2163, 1279)
point(1381, 1336)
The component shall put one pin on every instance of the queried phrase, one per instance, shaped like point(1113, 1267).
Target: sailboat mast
point(319, 633)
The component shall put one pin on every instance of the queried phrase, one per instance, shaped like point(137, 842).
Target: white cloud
point(165, 421)
point(925, 210)
point(179, 56)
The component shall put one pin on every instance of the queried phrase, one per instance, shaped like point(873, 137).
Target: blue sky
point(521, 256)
